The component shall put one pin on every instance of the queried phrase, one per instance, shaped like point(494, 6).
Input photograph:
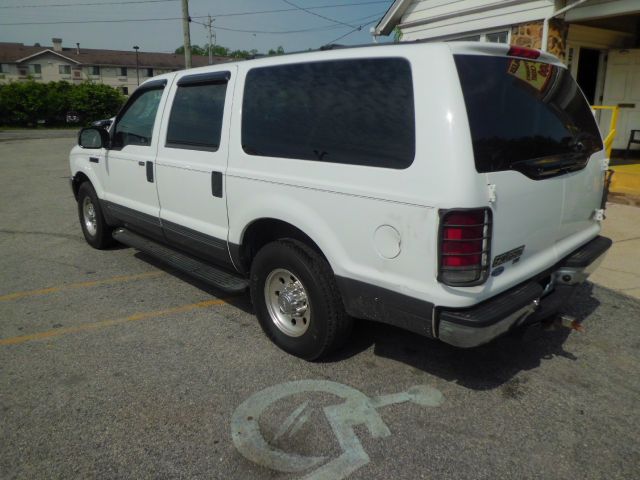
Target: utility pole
point(186, 33)
point(136, 48)
point(212, 37)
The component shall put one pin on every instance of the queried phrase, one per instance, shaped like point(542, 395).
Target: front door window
point(135, 126)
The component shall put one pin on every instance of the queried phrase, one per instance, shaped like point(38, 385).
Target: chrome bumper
point(527, 303)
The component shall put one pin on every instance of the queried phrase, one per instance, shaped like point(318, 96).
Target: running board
point(193, 267)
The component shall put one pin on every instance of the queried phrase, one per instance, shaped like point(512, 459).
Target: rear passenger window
point(357, 112)
point(196, 116)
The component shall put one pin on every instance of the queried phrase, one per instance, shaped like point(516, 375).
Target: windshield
point(526, 115)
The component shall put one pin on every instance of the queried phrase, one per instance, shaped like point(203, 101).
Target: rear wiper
point(545, 167)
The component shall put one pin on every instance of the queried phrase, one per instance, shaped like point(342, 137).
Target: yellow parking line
point(84, 327)
point(91, 283)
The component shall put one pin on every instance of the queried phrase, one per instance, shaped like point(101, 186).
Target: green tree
point(243, 53)
point(222, 51)
point(195, 50)
point(397, 34)
point(277, 51)
point(217, 50)
point(93, 101)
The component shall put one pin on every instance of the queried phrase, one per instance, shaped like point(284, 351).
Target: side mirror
point(94, 138)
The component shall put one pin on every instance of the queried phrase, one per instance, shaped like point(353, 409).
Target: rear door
point(536, 141)
point(622, 88)
point(192, 163)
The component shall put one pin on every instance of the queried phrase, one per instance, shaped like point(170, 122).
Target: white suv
point(454, 190)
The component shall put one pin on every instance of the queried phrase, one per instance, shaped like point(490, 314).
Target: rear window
point(196, 116)
point(521, 110)
point(357, 112)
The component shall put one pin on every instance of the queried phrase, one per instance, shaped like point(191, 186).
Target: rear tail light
point(464, 246)
point(523, 52)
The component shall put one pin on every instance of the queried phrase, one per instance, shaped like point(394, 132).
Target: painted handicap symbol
point(357, 409)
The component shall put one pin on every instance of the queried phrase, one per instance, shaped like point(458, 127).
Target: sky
point(166, 35)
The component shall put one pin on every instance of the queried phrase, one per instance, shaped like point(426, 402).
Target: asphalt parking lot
point(112, 366)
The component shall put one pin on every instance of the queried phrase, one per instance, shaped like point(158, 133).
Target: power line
point(304, 30)
point(67, 22)
point(317, 14)
point(92, 21)
point(86, 4)
point(279, 32)
point(319, 7)
point(235, 14)
point(352, 31)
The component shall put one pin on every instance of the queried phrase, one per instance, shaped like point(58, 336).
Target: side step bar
point(193, 267)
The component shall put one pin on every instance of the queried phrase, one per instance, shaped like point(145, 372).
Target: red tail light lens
point(465, 240)
point(523, 52)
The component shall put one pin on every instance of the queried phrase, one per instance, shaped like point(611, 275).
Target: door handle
point(94, 159)
point(141, 164)
point(216, 184)
point(150, 172)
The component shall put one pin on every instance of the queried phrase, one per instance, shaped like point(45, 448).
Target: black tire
point(329, 325)
point(100, 236)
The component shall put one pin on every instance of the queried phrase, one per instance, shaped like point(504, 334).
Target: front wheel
point(297, 300)
point(94, 227)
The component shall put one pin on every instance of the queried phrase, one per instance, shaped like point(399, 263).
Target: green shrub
point(29, 102)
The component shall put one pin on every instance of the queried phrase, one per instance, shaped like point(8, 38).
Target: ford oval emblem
point(497, 271)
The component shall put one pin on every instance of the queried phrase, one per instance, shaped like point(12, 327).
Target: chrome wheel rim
point(89, 216)
point(287, 302)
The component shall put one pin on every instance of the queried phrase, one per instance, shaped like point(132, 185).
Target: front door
point(192, 163)
point(130, 188)
point(622, 88)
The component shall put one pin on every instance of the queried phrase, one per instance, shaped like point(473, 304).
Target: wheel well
point(267, 230)
point(77, 180)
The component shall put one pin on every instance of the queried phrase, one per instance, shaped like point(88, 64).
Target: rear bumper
point(528, 303)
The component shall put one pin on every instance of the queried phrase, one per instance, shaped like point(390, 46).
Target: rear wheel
point(94, 227)
point(297, 300)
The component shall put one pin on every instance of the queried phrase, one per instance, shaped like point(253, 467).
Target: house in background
point(116, 68)
point(598, 40)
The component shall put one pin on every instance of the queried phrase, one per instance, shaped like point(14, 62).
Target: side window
point(196, 116)
point(357, 112)
point(135, 125)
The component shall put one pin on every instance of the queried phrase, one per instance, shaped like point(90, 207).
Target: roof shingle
point(12, 52)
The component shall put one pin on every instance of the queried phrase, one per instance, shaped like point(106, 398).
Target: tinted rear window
point(348, 111)
point(196, 116)
point(521, 110)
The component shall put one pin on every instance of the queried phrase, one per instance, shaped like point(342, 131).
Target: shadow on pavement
point(241, 301)
point(482, 368)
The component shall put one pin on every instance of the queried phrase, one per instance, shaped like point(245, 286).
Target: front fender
point(79, 164)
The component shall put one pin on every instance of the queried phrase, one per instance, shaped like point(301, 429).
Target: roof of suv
point(456, 48)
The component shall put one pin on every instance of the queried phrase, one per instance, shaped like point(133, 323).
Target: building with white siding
point(599, 40)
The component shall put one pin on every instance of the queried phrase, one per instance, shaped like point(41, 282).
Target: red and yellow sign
point(535, 74)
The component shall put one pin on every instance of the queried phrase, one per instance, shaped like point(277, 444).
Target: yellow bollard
point(608, 141)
